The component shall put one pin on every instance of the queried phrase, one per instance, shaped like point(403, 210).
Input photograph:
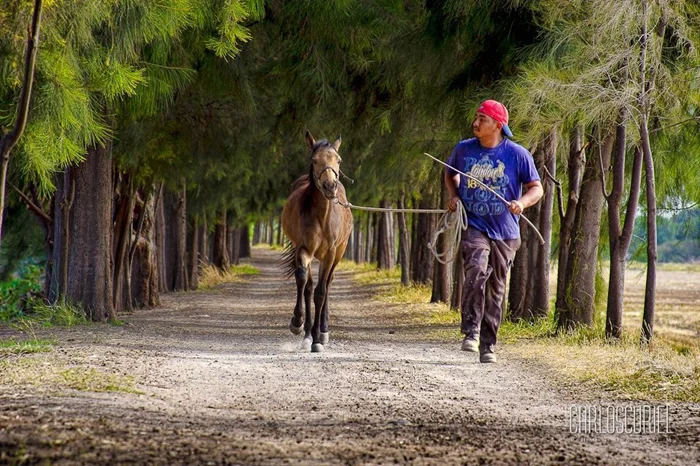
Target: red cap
point(498, 112)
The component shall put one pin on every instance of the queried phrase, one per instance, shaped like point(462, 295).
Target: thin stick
point(480, 183)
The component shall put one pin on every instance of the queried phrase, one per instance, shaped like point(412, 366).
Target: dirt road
point(220, 380)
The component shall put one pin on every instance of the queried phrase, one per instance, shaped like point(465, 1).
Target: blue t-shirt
point(505, 168)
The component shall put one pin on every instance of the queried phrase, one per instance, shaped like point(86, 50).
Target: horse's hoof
point(306, 344)
point(317, 348)
point(295, 330)
point(325, 336)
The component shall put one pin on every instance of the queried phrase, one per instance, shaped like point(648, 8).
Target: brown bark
point(161, 242)
point(442, 279)
point(221, 257)
point(122, 235)
point(404, 246)
point(575, 165)
point(204, 242)
point(385, 243)
point(358, 255)
point(245, 242)
point(650, 286)
point(581, 269)
point(540, 281)
point(517, 287)
point(90, 233)
point(194, 254)
point(421, 258)
point(235, 253)
point(618, 247)
point(144, 274)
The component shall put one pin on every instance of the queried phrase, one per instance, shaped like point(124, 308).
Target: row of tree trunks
point(112, 246)
point(528, 294)
point(578, 305)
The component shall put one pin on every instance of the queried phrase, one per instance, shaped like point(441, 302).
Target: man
point(489, 244)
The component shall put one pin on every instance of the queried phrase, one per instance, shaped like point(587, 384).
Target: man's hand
point(452, 203)
point(516, 207)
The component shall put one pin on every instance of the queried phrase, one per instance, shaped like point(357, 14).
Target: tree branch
point(32, 206)
point(560, 195)
point(29, 64)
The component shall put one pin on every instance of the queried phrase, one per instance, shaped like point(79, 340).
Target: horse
point(318, 225)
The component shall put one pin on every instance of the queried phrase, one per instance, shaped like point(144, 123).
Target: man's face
point(485, 126)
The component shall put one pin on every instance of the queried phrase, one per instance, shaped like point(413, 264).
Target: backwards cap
point(498, 112)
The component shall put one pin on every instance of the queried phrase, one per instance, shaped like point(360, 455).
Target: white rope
point(449, 220)
point(457, 221)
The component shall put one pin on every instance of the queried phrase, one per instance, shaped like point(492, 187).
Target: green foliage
point(20, 294)
point(60, 314)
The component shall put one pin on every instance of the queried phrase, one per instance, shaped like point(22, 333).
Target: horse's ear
point(310, 139)
point(336, 144)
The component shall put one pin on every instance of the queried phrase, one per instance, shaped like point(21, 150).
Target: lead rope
point(456, 220)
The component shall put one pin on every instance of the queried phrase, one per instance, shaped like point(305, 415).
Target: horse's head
point(325, 165)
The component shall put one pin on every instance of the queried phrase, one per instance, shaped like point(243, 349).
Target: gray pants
point(486, 264)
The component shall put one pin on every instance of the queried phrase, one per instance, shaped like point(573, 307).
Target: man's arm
point(452, 183)
point(530, 198)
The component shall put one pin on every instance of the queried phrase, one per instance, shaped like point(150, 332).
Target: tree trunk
point(90, 233)
point(204, 242)
point(144, 275)
point(404, 247)
point(385, 245)
point(123, 222)
point(256, 232)
point(368, 236)
point(176, 240)
point(540, 282)
point(161, 242)
point(422, 260)
point(194, 254)
point(575, 165)
point(350, 249)
point(519, 272)
point(583, 263)
point(65, 194)
point(358, 254)
point(618, 246)
point(221, 257)
point(235, 253)
point(457, 280)
point(442, 280)
point(245, 242)
point(650, 287)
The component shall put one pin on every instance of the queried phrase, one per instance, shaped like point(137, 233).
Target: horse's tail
point(288, 261)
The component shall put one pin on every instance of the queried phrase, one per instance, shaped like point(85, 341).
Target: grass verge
point(33, 345)
point(668, 370)
point(210, 276)
point(45, 372)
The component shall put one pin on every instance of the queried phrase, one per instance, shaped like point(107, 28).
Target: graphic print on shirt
point(480, 200)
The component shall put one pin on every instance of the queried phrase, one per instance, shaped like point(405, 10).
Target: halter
point(317, 179)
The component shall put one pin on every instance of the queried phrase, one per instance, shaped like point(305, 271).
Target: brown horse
point(317, 227)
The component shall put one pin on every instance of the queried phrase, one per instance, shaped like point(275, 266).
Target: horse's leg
point(301, 274)
point(308, 289)
point(325, 314)
point(320, 295)
point(325, 333)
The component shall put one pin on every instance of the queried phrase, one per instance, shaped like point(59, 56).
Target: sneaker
point(470, 344)
point(486, 354)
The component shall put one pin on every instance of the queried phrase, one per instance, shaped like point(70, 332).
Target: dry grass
point(33, 345)
point(210, 276)
point(45, 372)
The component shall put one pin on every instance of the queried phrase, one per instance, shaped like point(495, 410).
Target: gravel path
point(222, 381)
